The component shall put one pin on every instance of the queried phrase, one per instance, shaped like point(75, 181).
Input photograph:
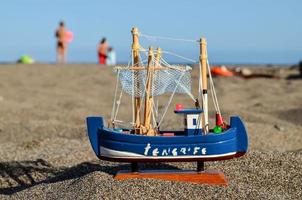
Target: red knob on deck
point(179, 106)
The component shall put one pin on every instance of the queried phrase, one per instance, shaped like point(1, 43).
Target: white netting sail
point(168, 80)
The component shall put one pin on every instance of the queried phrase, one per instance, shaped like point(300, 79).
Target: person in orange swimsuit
point(102, 51)
point(61, 43)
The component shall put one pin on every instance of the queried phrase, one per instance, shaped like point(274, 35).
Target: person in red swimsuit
point(102, 51)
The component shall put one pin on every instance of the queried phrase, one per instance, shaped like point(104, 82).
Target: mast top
point(203, 46)
point(150, 50)
point(135, 43)
point(134, 31)
point(203, 41)
point(159, 51)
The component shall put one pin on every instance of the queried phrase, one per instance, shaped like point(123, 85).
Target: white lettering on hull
point(155, 152)
point(110, 153)
point(175, 151)
point(147, 148)
point(196, 149)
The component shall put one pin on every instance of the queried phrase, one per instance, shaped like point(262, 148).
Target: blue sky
point(237, 31)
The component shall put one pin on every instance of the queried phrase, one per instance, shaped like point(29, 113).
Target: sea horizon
point(250, 64)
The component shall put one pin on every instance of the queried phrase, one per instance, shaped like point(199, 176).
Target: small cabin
point(192, 120)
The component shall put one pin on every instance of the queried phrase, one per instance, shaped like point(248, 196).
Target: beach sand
point(45, 152)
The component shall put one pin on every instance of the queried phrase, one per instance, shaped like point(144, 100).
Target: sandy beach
point(45, 152)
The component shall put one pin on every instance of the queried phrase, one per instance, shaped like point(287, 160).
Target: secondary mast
point(137, 100)
point(203, 71)
point(148, 130)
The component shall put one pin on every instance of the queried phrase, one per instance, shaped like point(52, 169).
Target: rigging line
point(146, 54)
point(185, 88)
point(141, 62)
point(140, 59)
point(170, 53)
point(212, 89)
point(213, 97)
point(170, 66)
point(179, 56)
point(152, 37)
point(215, 101)
point(141, 48)
point(133, 98)
point(153, 115)
point(155, 107)
point(153, 75)
point(187, 92)
point(165, 63)
point(119, 121)
point(137, 64)
point(123, 123)
point(120, 97)
point(199, 83)
point(116, 88)
point(118, 104)
point(115, 93)
point(145, 61)
point(169, 102)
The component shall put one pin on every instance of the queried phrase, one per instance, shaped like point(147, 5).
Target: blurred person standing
point(111, 57)
point(102, 51)
point(61, 43)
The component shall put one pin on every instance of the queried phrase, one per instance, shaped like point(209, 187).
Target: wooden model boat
point(143, 140)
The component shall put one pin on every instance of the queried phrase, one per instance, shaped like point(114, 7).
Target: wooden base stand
point(212, 177)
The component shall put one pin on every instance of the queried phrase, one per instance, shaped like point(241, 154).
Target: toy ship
point(143, 140)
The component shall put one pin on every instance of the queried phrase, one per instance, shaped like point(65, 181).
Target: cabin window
point(194, 122)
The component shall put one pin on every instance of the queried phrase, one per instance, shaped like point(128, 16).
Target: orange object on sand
point(221, 71)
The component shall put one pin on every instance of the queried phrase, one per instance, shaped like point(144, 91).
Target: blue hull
point(115, 146)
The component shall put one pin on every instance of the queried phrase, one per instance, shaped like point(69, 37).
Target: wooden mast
point(203, 62)
point(157, 76)
point(137, 100)
point(158, 56)
point(148, 96)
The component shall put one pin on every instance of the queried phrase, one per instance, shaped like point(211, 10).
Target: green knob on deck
point(218, 129)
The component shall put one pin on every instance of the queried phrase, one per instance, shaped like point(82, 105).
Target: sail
point(167, 80)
